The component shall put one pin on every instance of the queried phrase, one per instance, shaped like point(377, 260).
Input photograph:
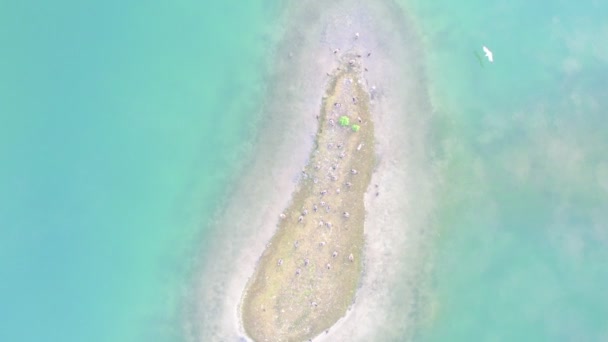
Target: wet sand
point(390, 300)
point(308, 274)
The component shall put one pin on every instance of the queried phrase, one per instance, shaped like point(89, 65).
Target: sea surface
point(523, 213)
point(124, 127)
point(121, 125)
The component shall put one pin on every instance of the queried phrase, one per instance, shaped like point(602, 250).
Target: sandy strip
point(390, 301)
point(307, 277)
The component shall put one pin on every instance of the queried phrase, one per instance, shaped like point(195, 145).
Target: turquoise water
point(123, 125)
point(522, 217)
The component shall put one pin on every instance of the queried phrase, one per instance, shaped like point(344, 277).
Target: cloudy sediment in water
point(491, 217)
point(123, 132)
point(395, 254)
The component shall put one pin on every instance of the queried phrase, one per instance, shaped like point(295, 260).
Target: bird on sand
point(488, 53)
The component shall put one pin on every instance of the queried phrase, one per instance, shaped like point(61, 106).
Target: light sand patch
point(308, 274)
point(389, 301)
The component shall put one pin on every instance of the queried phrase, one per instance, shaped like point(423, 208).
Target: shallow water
point(522, 211)
point(247, 224)
point(120, 127)
point(146, 152)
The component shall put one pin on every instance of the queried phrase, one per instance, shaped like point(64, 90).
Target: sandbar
point(307, 277)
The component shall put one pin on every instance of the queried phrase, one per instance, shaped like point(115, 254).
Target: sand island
point(307, 277)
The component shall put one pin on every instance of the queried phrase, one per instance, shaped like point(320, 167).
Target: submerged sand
point(307, 277)
point(391, 299)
